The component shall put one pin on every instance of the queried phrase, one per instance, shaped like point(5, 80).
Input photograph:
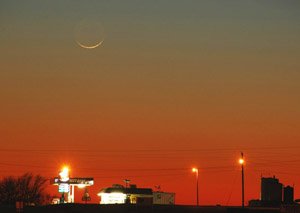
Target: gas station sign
point(63, 188)
point(67, 185)
point(74, 181)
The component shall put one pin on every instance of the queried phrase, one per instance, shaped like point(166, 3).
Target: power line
point(152, 150)
point(123, 169)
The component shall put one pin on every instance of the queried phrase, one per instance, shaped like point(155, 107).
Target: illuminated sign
point(62, 188)
point(74, 181)
point(67, 185)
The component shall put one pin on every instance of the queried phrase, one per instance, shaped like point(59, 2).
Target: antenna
point(127, 181)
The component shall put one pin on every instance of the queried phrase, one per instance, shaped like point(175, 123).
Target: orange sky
point(174, 85)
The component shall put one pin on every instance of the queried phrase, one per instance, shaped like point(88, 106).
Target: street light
point(242, 162)
point(64, 174)
point(195, 170)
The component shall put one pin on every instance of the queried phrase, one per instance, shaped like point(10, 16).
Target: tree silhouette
point(27, 188)
point(8, 189)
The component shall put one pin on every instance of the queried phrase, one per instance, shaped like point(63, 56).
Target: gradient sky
point(175, 84)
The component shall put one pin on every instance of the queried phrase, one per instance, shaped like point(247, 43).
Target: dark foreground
point(95, 208)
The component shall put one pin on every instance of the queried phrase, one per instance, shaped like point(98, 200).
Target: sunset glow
point(157, 93)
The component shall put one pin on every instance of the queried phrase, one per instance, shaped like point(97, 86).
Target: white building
point(118, 194)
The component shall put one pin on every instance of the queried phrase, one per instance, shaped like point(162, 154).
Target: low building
point(118, 194)
point(164, 198)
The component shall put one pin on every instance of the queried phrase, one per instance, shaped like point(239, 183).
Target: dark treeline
point(28, 188)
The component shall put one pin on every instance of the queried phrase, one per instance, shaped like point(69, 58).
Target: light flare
point(64, 174)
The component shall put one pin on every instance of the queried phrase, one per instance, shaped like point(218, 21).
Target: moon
point(89, 47)
point(89, 33)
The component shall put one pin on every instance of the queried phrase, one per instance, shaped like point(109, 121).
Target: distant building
point(273, 194)
point(271, 191)
point(163, 198)
point(118, 194)
point(288, 195)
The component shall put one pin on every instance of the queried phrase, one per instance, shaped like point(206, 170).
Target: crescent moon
point(89, 47)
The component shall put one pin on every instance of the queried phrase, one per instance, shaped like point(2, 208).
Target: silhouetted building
point(271, 191)
point(288, 195)
point(163, 198)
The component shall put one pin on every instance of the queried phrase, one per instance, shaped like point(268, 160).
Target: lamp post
point(242, 162)
point(195, 170)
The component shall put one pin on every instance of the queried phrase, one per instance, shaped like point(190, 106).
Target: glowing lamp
point(64, 174)
point(195, 170)
point(241, 161)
